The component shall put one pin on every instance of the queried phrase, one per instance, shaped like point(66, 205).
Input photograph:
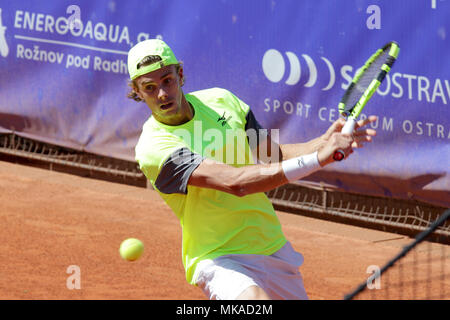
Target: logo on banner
point(397, 85)
point(274, 68)
point(4, 49)
point(52, 32)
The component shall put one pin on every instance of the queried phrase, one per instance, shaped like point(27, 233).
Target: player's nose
point(162, 94)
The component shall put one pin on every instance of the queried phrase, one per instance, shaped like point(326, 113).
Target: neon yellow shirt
point(214, 223)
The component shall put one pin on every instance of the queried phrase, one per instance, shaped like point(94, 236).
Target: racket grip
point(348, 128)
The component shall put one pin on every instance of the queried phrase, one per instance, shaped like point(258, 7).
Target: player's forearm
point(265, 177)
point(246, 180)
point(290, 151)
point(270, 151)
point(257, 178)
point(238, 181)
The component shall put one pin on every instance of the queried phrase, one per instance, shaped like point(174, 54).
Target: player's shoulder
point(154, 136)
point(211, 94)
point(210, 91)
point(149, 128)
point(215, 98)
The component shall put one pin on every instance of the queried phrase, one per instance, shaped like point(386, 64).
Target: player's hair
point(145, 62)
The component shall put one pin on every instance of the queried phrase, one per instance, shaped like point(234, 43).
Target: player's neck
point(184, 114)
point(187, 111)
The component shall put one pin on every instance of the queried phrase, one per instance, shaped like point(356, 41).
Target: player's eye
point(150, 87)
point(168, 80)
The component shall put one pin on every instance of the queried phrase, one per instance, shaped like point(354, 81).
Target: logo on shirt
point(223, 119)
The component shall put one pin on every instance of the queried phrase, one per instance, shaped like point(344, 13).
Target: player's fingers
point(365, 132)
point(344, 141)
point(365, 122)
point(339, 124)
point(336, 126)
point(357, 145)
point(364, 138)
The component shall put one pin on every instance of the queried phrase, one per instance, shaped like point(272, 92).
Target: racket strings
point(359, 87)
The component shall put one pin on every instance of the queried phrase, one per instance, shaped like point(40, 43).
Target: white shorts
point(226, 277)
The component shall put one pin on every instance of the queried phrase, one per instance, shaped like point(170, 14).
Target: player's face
point(161, 90)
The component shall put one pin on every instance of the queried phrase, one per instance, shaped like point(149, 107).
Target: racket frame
point(353, 114)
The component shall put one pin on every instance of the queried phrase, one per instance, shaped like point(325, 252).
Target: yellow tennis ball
point(131, 249)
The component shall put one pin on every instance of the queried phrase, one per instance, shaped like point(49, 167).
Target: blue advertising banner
point(64, 78)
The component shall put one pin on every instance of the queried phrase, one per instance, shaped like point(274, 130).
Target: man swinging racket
point(197, 151)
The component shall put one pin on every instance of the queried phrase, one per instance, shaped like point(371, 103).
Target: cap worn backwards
point(146, 48)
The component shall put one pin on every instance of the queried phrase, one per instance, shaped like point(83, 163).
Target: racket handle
point(348, 128)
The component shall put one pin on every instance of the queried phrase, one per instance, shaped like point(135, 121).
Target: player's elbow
point(239, 190)
point(231, 180)
point(238, 185)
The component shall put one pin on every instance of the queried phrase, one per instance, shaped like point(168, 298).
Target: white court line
point(77, 45)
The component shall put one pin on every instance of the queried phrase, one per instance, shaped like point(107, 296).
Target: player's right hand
point(336, 141)
point(360, 136)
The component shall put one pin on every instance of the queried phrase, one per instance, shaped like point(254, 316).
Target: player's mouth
point(167, 106)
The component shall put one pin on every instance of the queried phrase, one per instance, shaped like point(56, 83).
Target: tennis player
point(197, 152)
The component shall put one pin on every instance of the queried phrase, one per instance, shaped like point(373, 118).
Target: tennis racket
point(364, 84)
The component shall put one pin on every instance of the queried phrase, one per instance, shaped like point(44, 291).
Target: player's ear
point(135, 87)
point(180, 73)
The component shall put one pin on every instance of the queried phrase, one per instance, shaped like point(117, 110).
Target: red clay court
point(53, 220)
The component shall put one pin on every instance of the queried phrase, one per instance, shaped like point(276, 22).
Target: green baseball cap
point(146, 48)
